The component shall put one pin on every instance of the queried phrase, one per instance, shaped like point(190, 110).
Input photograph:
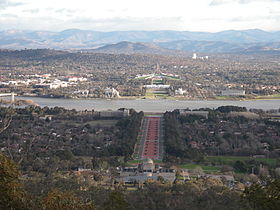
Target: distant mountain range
point(221, 47)
point(129, 42)
point(138, 48)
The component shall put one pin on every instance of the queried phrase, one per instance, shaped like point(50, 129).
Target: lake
point(148, 105)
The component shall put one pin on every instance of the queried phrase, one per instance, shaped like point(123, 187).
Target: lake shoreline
point(161, 98)
point(148, 105)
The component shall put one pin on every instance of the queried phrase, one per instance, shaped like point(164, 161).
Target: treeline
point(129, 128)
point(228, 130)
point(176, 147)
point(208, 194)
point(67, 139)
point(41, 111)
point(227, 109)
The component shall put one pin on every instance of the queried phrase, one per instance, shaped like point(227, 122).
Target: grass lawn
point(158, 81)
point(269, 96)
point(150, 93)
point(142, 78)
point(205, 168)
point(222, 97)
point(161, 94)
point(229, 98)
point(103, 123)
point(133, 162)
point(231, 159)
point(172, 78)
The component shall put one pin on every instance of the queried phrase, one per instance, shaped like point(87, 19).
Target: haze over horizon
point(79, 29)
point(125, 15)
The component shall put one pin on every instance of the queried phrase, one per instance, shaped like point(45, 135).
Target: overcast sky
point(111, 15)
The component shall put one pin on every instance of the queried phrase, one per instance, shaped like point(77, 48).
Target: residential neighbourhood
point(92, 75)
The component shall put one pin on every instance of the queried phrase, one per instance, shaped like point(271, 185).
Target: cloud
point(219, 2)
point(105, 24)
point(7, 3)
point(274, 11)
point(108, 15)
point(65, 11)
point(253, 19)
point(8, 16)
point(222, 2)
point(128, 23)
point(32, 11)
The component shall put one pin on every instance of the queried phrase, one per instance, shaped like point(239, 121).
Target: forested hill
point(78, 56)
point(224, 41)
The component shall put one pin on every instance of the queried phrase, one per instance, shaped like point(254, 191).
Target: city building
point(198, 113)
point(111, 93)
point(180, 91)
point(76, 79)
point(157, 86)
point(117, 113)
point(194, 56)
point(233, 92)
point(147, 170)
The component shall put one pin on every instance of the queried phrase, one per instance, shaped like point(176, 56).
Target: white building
point(111, 93)
point(52, 85)
point(199, 113)
point(180, 91)
point(194, 56)
point(157, 86)
point(233, 92)
point(76, 79)
point(117, 113)
point(147, 170)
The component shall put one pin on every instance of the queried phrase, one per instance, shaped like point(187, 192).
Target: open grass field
point(275, 96)
point(105, 123)
point(93, 123)
point(172, 78)
point(154, 95)
point(229, 98)
point(231, 159)
point(222, 97)
point(142, 78)
point(205, 168)
point(157, 82)
point(134, 162)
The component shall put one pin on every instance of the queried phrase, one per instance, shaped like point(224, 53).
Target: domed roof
point(149, 174)
point(150, 161)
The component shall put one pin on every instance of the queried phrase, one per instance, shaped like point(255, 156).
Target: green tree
point(240, 166)
point(12, 195)
point(116, 201)
point(57, 200)
point(264, 197)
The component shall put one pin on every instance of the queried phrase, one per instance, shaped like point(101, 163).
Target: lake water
point(148, 105)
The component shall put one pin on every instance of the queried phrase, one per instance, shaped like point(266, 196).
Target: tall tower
point(194, 56)
point(157, 69)
point(13, 97)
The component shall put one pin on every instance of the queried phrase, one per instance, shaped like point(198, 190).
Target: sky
point(125, 15)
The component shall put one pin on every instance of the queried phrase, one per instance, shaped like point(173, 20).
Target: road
point(150, 138)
